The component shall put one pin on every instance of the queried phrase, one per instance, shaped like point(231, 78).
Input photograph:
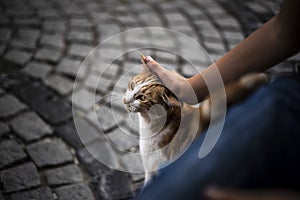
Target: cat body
point(161, 118)
point(166, 125)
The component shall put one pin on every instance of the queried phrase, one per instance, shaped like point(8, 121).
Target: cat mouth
point(131, 108)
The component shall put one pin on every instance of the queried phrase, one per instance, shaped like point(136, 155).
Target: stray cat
point(166, 125)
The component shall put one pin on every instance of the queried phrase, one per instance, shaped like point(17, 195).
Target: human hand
point(178, 84)
point(220, 194)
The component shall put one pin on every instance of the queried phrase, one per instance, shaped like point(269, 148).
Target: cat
point(166, 125)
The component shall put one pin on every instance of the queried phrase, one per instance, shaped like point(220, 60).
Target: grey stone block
point(74, 192)
point(9, 105)
point(80, 36)
point(68, 133)
point(64, 175)
point(105, 152)
point(84, 99)
point(97, 82)
point(23, 43)
point(37, 70)
point(18, 57)
point(53, 41)
point(26, 22)
point(80, 23)
point(49, 153)
point(257, 7)
point(48, 55)
point(91, 164)
point(175, 19)
point(236, 36)
point(10, 152)
point(21, 177)
point(30, 126)
point(54, 111)
point(48, 13)
point(62, 85)
point(105, 117)
point(54, 26)
point(86, 131)
point(69, 67)
point(42, 193)
point(80, 50)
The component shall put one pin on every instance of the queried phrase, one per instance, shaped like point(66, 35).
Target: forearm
point(261, 50)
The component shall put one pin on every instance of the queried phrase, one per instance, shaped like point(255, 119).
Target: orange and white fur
point(166, 125)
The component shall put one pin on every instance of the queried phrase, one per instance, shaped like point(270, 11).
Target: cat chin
point(132, 109)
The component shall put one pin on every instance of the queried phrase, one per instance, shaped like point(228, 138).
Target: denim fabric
point(259, 148)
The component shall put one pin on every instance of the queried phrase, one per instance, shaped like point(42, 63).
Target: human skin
point(272, 43)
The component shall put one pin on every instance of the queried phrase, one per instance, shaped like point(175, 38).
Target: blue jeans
point(259, 148)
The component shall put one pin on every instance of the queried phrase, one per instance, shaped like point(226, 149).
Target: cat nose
point(125, 101)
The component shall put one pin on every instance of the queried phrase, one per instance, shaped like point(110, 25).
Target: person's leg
point(258, 148)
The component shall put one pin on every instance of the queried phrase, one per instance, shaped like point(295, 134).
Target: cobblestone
point(69, 133)
point(48, 55)
point(18, 57)
point(42, 193)
point(105, 152)
point(32, 93)
point(54, 26)
point(49, 153)
point(69, 67)
point(84, 99)
point(88, 132)
point(37, 70)
point(30, 126)
point(80, 36)
point(62, 85)
point(9, 105)
point(80, 50)
point(106, 119)
point(15, 179)
point(10, 152)
point(74, 192)
point(93, 166)
point(53, 41)
point(64, 175)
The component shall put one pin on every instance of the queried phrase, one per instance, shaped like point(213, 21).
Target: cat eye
point(141, 97)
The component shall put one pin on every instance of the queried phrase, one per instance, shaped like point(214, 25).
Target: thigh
point(258, 148)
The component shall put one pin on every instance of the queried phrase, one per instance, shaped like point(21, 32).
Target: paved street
point(66, 140)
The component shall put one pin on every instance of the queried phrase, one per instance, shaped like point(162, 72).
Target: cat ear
point(170, 100)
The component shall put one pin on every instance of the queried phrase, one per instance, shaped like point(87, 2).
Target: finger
point(153, 65)
point(149, 59)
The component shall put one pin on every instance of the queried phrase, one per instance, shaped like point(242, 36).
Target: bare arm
point(273, 42)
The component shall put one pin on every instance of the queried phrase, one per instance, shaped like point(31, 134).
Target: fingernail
point(149, 59)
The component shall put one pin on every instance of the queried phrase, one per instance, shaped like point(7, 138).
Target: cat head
point(145, 90)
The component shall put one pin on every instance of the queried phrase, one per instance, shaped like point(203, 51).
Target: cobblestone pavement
point(42, 45)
